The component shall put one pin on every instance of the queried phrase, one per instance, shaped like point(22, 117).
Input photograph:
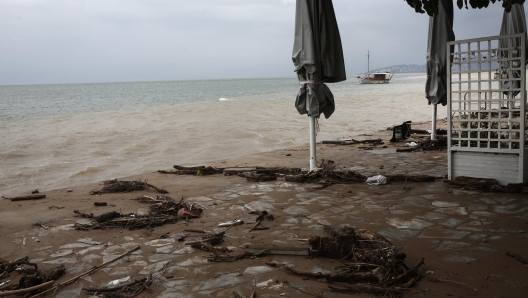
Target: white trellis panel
point(486, 88)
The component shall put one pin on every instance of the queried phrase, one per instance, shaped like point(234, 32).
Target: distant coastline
point(403, 68)
point(413, 68)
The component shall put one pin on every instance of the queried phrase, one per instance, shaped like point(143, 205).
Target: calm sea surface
point(54, 136)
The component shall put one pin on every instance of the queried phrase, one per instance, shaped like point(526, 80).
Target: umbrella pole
point(313, 157)
point(433, 124)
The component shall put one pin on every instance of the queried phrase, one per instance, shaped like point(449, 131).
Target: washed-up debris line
point(487, 184)
point(114, 185)
point(328, 174)
point(424, 145)
point(33, 280)
point(371, 142)
point(128, 290)
point(370, 263)
point(163, 210)
point(252, 172)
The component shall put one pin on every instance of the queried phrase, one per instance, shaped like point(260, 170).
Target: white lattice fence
point(487, 107)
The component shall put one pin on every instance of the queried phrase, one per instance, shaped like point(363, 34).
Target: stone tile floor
point(461, 233)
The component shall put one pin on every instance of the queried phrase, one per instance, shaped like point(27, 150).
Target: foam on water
point(84, 133)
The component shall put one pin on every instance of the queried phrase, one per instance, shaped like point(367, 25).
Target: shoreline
point(458, 231)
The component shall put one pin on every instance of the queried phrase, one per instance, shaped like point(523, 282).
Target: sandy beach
point(463, 234)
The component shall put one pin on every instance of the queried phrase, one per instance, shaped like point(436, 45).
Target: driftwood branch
point(516, 256)
point(26, 290)
point(25, 198)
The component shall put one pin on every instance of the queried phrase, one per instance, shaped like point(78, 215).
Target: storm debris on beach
point(114, 186)
point(162, 210)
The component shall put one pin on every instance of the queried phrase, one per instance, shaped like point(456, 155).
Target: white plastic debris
point(231, 223)
point(410, 144)
point(377, 180)
point(117, 282)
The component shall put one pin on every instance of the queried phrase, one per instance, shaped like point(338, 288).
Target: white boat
point(376, 77)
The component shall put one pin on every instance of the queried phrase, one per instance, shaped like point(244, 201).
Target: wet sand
point(463, 234)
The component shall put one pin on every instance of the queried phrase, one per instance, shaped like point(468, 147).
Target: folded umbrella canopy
point(513, 22)
point(440, 32)
point(318, 59)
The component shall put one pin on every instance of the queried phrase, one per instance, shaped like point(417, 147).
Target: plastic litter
point(411, 144)
point(117, 282)
point(231, 223)
point(377, 180)
point(4, 282)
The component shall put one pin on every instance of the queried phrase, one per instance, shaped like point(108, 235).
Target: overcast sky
point(67, 41)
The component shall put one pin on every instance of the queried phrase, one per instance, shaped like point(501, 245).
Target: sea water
point(57, 136)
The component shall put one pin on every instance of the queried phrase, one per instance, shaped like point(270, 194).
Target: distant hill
point(413, 68)
point(404, 68)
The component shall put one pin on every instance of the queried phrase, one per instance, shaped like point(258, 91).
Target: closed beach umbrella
point(318, 59)
point(513, 22)
point(440, 32)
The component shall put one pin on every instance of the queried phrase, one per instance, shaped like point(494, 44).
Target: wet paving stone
point(399, 234)
point(451, 245)
point(413, 224)
point(443, 234)
point(442, 204)
point(460, 259)
point(222, 281)
point(450, 222)
point(452, 210)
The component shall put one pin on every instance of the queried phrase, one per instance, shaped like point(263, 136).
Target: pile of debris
point(426, 145)
point(163, 210)
point(114, 185)
point(327, 174)
point(370, 263)
point(33, 280)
